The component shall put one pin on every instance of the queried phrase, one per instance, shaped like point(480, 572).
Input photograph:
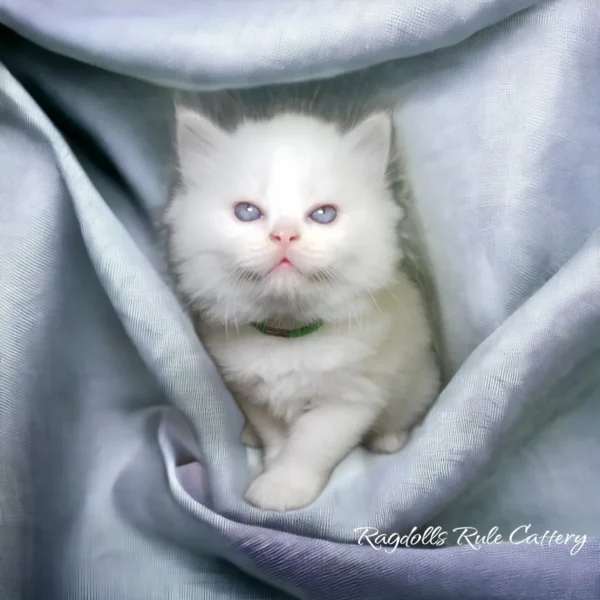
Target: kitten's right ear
point(197, 137)
point(372, 138)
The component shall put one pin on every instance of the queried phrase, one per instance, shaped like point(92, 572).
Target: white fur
point(368, 374)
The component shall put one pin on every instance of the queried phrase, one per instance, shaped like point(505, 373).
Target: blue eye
point(323, 215)
point(245, 211)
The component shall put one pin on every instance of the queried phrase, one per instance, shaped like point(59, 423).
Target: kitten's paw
point(386, 443)
point(249, 436)
point(284, 489)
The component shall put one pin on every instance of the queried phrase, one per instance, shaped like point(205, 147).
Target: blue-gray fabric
point(121, 471)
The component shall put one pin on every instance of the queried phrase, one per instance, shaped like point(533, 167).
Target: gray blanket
point(121, 471)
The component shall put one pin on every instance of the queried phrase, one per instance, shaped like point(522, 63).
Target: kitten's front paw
point(386, 443)
point(282, 489)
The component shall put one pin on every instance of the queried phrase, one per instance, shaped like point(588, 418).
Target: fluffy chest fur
point(382, 347)
point(290, 374)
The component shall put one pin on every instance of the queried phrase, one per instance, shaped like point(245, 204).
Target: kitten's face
point(282, 214)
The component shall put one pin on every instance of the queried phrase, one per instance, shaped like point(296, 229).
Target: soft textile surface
point(121, 473)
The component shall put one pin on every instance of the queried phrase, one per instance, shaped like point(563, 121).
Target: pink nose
point(284, 236)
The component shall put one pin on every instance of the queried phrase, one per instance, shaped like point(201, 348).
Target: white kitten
point(289, 223)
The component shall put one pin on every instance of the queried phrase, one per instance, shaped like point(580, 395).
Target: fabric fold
point(240, 43)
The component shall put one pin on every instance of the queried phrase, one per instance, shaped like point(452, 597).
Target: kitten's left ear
point(372, 137)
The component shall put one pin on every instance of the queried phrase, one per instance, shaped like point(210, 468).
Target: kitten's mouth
point(285, 265)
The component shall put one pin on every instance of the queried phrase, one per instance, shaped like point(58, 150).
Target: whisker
point(235, 321)
point(193, 299)
point(375, 302)
point(402, 306)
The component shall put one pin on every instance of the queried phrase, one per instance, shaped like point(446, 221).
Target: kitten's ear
point(372, 138)
point(197, 137)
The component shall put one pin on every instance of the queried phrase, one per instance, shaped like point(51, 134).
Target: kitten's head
point(283, 215)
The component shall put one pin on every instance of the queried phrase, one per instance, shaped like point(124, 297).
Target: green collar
point(288, 333)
